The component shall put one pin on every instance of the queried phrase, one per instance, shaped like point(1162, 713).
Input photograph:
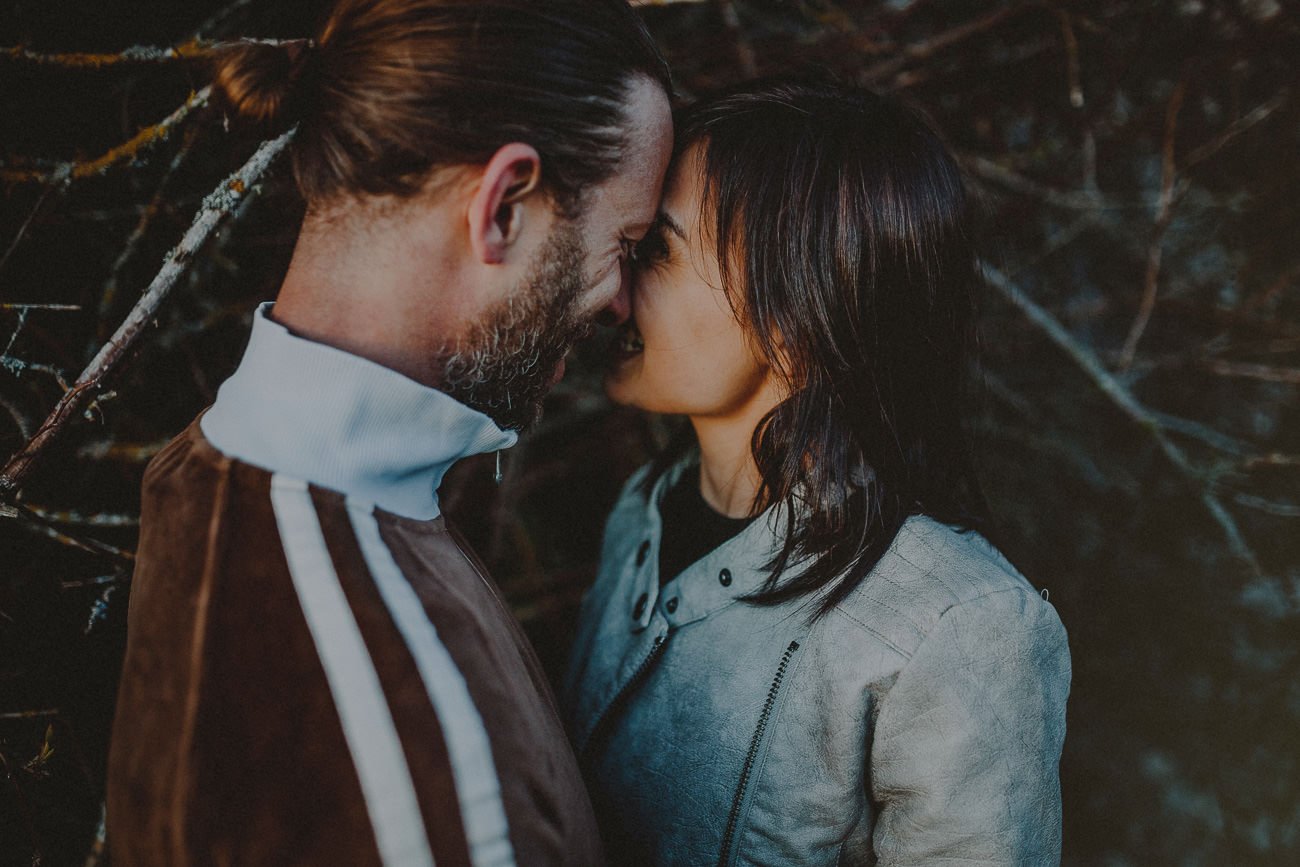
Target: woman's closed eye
point(652, 249)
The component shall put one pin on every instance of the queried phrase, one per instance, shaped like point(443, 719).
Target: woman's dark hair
point(389, 90)
point(842, 233)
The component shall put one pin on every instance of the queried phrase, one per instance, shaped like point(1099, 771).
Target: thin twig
point(129, 150)
point(1079, 200)
point(97, 581)
point(13, 338)
point(1265, 372)
point(20, 419)
point(1268, 293)
point(75, 518)
point(134, 56)
point(24, 810)
point(927, 48)
point(1203, 433)
point(1236, 128)
point(215, 25)
point(1120, 396)
point(1272, 459)
point(220, 203)
point(97, 849)
point(17, 366)
point(131, 452)
point(1062, 450)
point(109, 293)
point(745, 57)
point(1071, 58)
point(31, 714)
point(1281, 510)
point(32, 521)
point(58, 180)
point(1164, 213)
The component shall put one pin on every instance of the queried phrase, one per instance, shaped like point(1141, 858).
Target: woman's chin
point(616, 387)
point(621, 385)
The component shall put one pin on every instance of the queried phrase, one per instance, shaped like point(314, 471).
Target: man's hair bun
point(262, 81)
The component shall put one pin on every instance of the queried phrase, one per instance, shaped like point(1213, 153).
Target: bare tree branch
point(109, 293)
point(1280, 510)
point(1246, 121)
point(97, 849)
point(16, 366)
point(58, 181)
point(1273, 459)
point(220, 203)
point(1071, 58)
point(134, 56)
point(129, 150)
point(131, 452)
point(216, 24)
point(31, 521)
point(1267, 373)
point(927, 48)
point(1129, 405)
point(1164, 213)
point(744, 51)
point(39, 713)
point(77, 519)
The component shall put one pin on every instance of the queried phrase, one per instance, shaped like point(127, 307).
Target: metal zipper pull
point(496, 477)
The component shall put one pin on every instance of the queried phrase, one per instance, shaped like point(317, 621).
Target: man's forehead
point(648, 114)
point(627, 202)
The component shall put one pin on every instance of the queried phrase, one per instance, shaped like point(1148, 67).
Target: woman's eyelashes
point(652, 249)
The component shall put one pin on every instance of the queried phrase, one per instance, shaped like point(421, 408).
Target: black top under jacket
point(691, 527)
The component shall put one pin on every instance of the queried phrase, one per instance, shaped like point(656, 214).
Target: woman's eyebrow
point(665, 219)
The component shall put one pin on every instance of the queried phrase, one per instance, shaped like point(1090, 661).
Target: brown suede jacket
point(311, 678)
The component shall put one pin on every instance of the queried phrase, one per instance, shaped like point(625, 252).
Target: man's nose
point(619, 308)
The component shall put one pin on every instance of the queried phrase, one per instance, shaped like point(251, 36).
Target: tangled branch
point(1122, 398)
point(146, 138)
point(216, 207)
point(136, 55)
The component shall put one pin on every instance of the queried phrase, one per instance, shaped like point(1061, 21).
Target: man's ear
point(496, 210)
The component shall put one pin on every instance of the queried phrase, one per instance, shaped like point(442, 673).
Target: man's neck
point(367, 290)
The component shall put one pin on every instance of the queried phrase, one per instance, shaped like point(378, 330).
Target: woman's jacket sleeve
point(967, 745)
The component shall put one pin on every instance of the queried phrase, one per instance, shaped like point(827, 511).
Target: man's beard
point(503, 366)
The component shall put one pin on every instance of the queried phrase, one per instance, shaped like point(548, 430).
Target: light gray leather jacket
point(920, 722)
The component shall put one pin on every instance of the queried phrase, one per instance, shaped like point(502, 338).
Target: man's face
point(509, 360)
point(515, 353)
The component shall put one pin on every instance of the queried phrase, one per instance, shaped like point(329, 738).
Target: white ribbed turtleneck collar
point(343, 422)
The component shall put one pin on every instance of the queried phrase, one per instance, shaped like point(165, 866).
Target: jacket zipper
point(657, 648)
point(772, 692)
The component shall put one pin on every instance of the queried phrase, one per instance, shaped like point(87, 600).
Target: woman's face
point(683, 351)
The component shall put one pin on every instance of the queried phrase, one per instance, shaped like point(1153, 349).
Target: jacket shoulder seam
point(873, 631)
point(924, 634)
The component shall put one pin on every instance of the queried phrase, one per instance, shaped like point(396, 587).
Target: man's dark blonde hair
point(393, 89)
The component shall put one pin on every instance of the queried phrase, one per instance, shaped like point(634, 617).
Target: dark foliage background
point(1137, 162)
